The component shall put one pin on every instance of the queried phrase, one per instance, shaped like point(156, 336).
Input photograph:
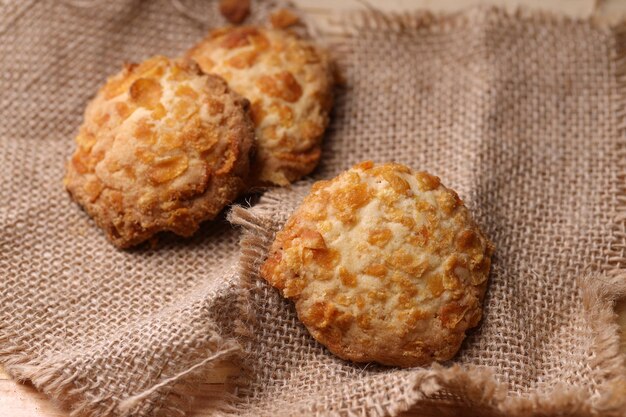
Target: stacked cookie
point(289, 84)
point(167, 144)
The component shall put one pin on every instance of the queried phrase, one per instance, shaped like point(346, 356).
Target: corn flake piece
point(235, 11)
point(146, 92)
point(283, 18)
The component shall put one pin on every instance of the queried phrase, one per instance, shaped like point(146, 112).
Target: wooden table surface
point(22, 400)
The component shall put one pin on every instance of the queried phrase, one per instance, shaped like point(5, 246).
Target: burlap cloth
point(522, 114)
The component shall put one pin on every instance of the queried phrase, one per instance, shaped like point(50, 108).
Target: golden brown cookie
point(384, 264)
point(163, 146)
point(289, 83)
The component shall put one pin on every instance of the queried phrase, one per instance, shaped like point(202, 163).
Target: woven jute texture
point(522, 114)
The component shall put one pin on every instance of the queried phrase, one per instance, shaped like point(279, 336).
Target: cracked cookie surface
point(289, 83)
point(162, 147)
point(384, 264)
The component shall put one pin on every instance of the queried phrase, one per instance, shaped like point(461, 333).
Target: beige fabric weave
point(523, 115)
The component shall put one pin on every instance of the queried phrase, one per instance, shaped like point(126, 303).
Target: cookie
point(163, 147)
point(384, 264)
point(289, 82)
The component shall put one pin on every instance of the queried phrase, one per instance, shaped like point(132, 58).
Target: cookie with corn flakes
point(384, 264)
point(289, 82)
point(163, 147)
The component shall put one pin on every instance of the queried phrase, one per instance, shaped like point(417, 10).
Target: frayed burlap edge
point(175, 394)
point(477, 386)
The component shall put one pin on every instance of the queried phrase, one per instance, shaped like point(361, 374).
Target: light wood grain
point(22, 400)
